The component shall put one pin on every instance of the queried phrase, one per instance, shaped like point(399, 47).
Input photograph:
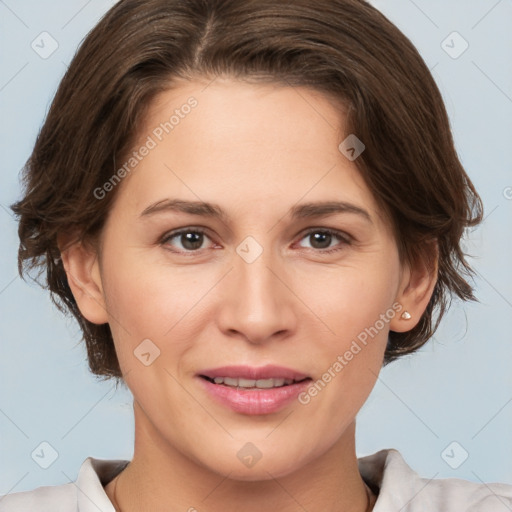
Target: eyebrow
point(301, 211)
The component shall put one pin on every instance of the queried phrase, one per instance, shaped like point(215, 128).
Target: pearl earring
point(406, 315)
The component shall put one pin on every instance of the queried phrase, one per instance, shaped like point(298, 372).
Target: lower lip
point(254, 401)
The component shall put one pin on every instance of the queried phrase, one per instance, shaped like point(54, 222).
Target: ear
point(81, 264)
point(416, 287)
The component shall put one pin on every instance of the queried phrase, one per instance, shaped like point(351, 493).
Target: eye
point(322, 239)
point(192, 239)
point(186, 240)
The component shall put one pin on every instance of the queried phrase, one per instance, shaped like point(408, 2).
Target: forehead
point(266, 146)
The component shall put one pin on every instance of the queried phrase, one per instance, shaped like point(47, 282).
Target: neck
point(159, 477)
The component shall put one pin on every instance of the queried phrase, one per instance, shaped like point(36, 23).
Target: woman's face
point(244, 238)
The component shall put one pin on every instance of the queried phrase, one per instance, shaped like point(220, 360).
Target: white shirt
point(400, 490)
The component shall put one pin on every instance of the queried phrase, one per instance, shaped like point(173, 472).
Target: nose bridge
point(260, 304)
point(256, 278)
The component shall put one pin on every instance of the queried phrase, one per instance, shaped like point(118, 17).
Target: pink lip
point(254, 401)
point(252, 372)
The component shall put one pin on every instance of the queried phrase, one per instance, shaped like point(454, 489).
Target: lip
point(253, 401)
point(252, 372)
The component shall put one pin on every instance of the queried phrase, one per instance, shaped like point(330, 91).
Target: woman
point(249, 207)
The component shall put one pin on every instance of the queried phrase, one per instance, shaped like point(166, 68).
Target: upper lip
point(253, 372)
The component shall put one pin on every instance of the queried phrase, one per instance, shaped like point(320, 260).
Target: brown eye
point(186, 240)
point(320, 240)
point(325, 240)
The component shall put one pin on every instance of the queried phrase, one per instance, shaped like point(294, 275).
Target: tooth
point(246, 383)
point(267, 383)
point(230, 381)
point(251, 383)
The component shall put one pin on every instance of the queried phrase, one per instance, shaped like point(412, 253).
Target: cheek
point(350, 300)
point(151, 302)
point(356, 305)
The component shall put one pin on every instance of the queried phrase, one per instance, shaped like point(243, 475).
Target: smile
point(251, 383)
point(253, 390)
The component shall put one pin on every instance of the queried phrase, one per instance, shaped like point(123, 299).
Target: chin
point(257, 469)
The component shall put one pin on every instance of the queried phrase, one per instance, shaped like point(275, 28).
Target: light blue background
point(457, 388)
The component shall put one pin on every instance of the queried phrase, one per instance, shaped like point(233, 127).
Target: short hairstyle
point(345, 49)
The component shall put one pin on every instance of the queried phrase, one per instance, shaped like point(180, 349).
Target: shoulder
point(85, 494)
point(59, 498)
point(401, 488)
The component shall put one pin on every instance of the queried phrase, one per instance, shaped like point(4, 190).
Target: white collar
point(386, 472)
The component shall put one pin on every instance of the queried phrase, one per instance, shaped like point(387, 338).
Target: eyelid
point(185, 229)
point(331, 231)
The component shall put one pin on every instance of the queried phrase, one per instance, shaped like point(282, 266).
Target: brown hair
point(343, 48)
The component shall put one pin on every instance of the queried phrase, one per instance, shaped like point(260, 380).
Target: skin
point(255, 150)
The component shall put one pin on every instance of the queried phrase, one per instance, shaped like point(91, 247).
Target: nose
point(258, 304)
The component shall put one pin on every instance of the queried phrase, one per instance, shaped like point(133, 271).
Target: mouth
point(240, 382)
point(253, 390)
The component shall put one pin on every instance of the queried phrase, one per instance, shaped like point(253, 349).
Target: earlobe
point(81, 264)
point(416, 288)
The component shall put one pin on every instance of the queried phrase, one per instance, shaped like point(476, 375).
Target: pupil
point(192, 240)
point(320, 240)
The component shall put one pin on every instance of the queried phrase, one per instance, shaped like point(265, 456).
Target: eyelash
point(344, 238)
